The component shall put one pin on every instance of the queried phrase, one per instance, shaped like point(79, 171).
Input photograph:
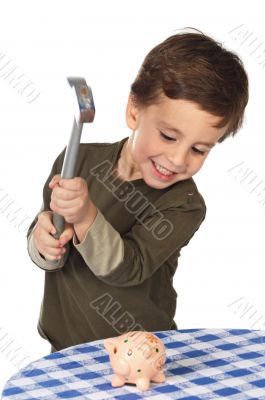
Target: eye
point(166, 137)
point(194, 149)
point(115, 350)
point(197, 151)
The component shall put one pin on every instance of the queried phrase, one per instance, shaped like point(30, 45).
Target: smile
point(162, 173)
point(162, 170)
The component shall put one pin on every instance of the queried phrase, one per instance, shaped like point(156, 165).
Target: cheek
point(143, 150)
point(196, 164)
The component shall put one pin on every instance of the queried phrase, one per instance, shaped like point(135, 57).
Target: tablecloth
point(200, 364)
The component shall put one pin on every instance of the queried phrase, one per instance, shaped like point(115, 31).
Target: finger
point(67, 234)
point(51, 255)
point(63, 193)
point(64, 209)
point(47, 240)
point(45, 222)
point(74, 184)
point(48, 246)
point(54, 181)
point(46, 230)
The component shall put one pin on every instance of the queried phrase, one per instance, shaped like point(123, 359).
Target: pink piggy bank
point(136, 357)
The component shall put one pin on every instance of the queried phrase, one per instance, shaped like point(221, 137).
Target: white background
point(223, 266)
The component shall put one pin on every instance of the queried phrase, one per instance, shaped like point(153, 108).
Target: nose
point(178, 160)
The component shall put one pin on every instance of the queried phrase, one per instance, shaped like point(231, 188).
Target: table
point(201, 364)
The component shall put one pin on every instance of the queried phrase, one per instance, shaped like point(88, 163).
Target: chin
point(160, 185)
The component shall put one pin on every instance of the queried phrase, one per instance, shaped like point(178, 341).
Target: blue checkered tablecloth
point(201, 364)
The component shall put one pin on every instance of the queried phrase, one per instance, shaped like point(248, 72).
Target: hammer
point(85, 113)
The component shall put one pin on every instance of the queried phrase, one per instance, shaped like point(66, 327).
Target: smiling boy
point(173, 134)
point(134, 204)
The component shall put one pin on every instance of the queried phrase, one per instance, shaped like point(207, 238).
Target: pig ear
point(109, 343)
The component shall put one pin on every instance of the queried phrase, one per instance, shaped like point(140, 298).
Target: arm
point(82, 228)
point(39, 260)
point(33, 252)
point(134, 257)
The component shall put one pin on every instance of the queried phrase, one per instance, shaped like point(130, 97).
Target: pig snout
point(121, 367)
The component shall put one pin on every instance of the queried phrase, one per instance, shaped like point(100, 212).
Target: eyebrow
point(176, 130)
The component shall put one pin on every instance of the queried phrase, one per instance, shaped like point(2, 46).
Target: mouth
point(163, 173)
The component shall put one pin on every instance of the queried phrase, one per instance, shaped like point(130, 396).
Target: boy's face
point(174, 134)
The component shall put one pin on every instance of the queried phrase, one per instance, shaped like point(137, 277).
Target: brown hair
point(194, 67)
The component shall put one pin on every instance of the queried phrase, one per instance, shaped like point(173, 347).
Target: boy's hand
point(70, 198)
point(51, 248)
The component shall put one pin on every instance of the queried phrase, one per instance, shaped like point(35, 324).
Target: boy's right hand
point(49, 247)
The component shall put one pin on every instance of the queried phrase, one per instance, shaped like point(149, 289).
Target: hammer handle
point(68, 170)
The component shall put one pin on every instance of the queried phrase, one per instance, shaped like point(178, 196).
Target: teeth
point(162, 170)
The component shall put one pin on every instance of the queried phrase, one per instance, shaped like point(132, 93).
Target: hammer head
point(84, 98)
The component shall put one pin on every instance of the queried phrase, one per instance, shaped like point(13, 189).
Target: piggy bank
point(136, 357)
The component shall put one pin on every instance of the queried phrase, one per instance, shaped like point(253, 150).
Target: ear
point(132, 114)
point(109, 344)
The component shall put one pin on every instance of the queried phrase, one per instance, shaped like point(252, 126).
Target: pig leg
point(142, 383)
point(117, 381)
point(159, 378)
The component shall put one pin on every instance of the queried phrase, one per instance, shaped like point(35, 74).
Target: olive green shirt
point(120, 277)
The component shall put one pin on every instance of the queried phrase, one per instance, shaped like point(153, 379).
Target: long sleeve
point(130, 259)
point(120, 276)
point(41, 261)
point(33, 252)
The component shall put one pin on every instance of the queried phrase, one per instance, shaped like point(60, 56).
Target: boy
point(133, 204)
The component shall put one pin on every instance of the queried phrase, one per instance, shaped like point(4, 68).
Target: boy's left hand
point(70, 198)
